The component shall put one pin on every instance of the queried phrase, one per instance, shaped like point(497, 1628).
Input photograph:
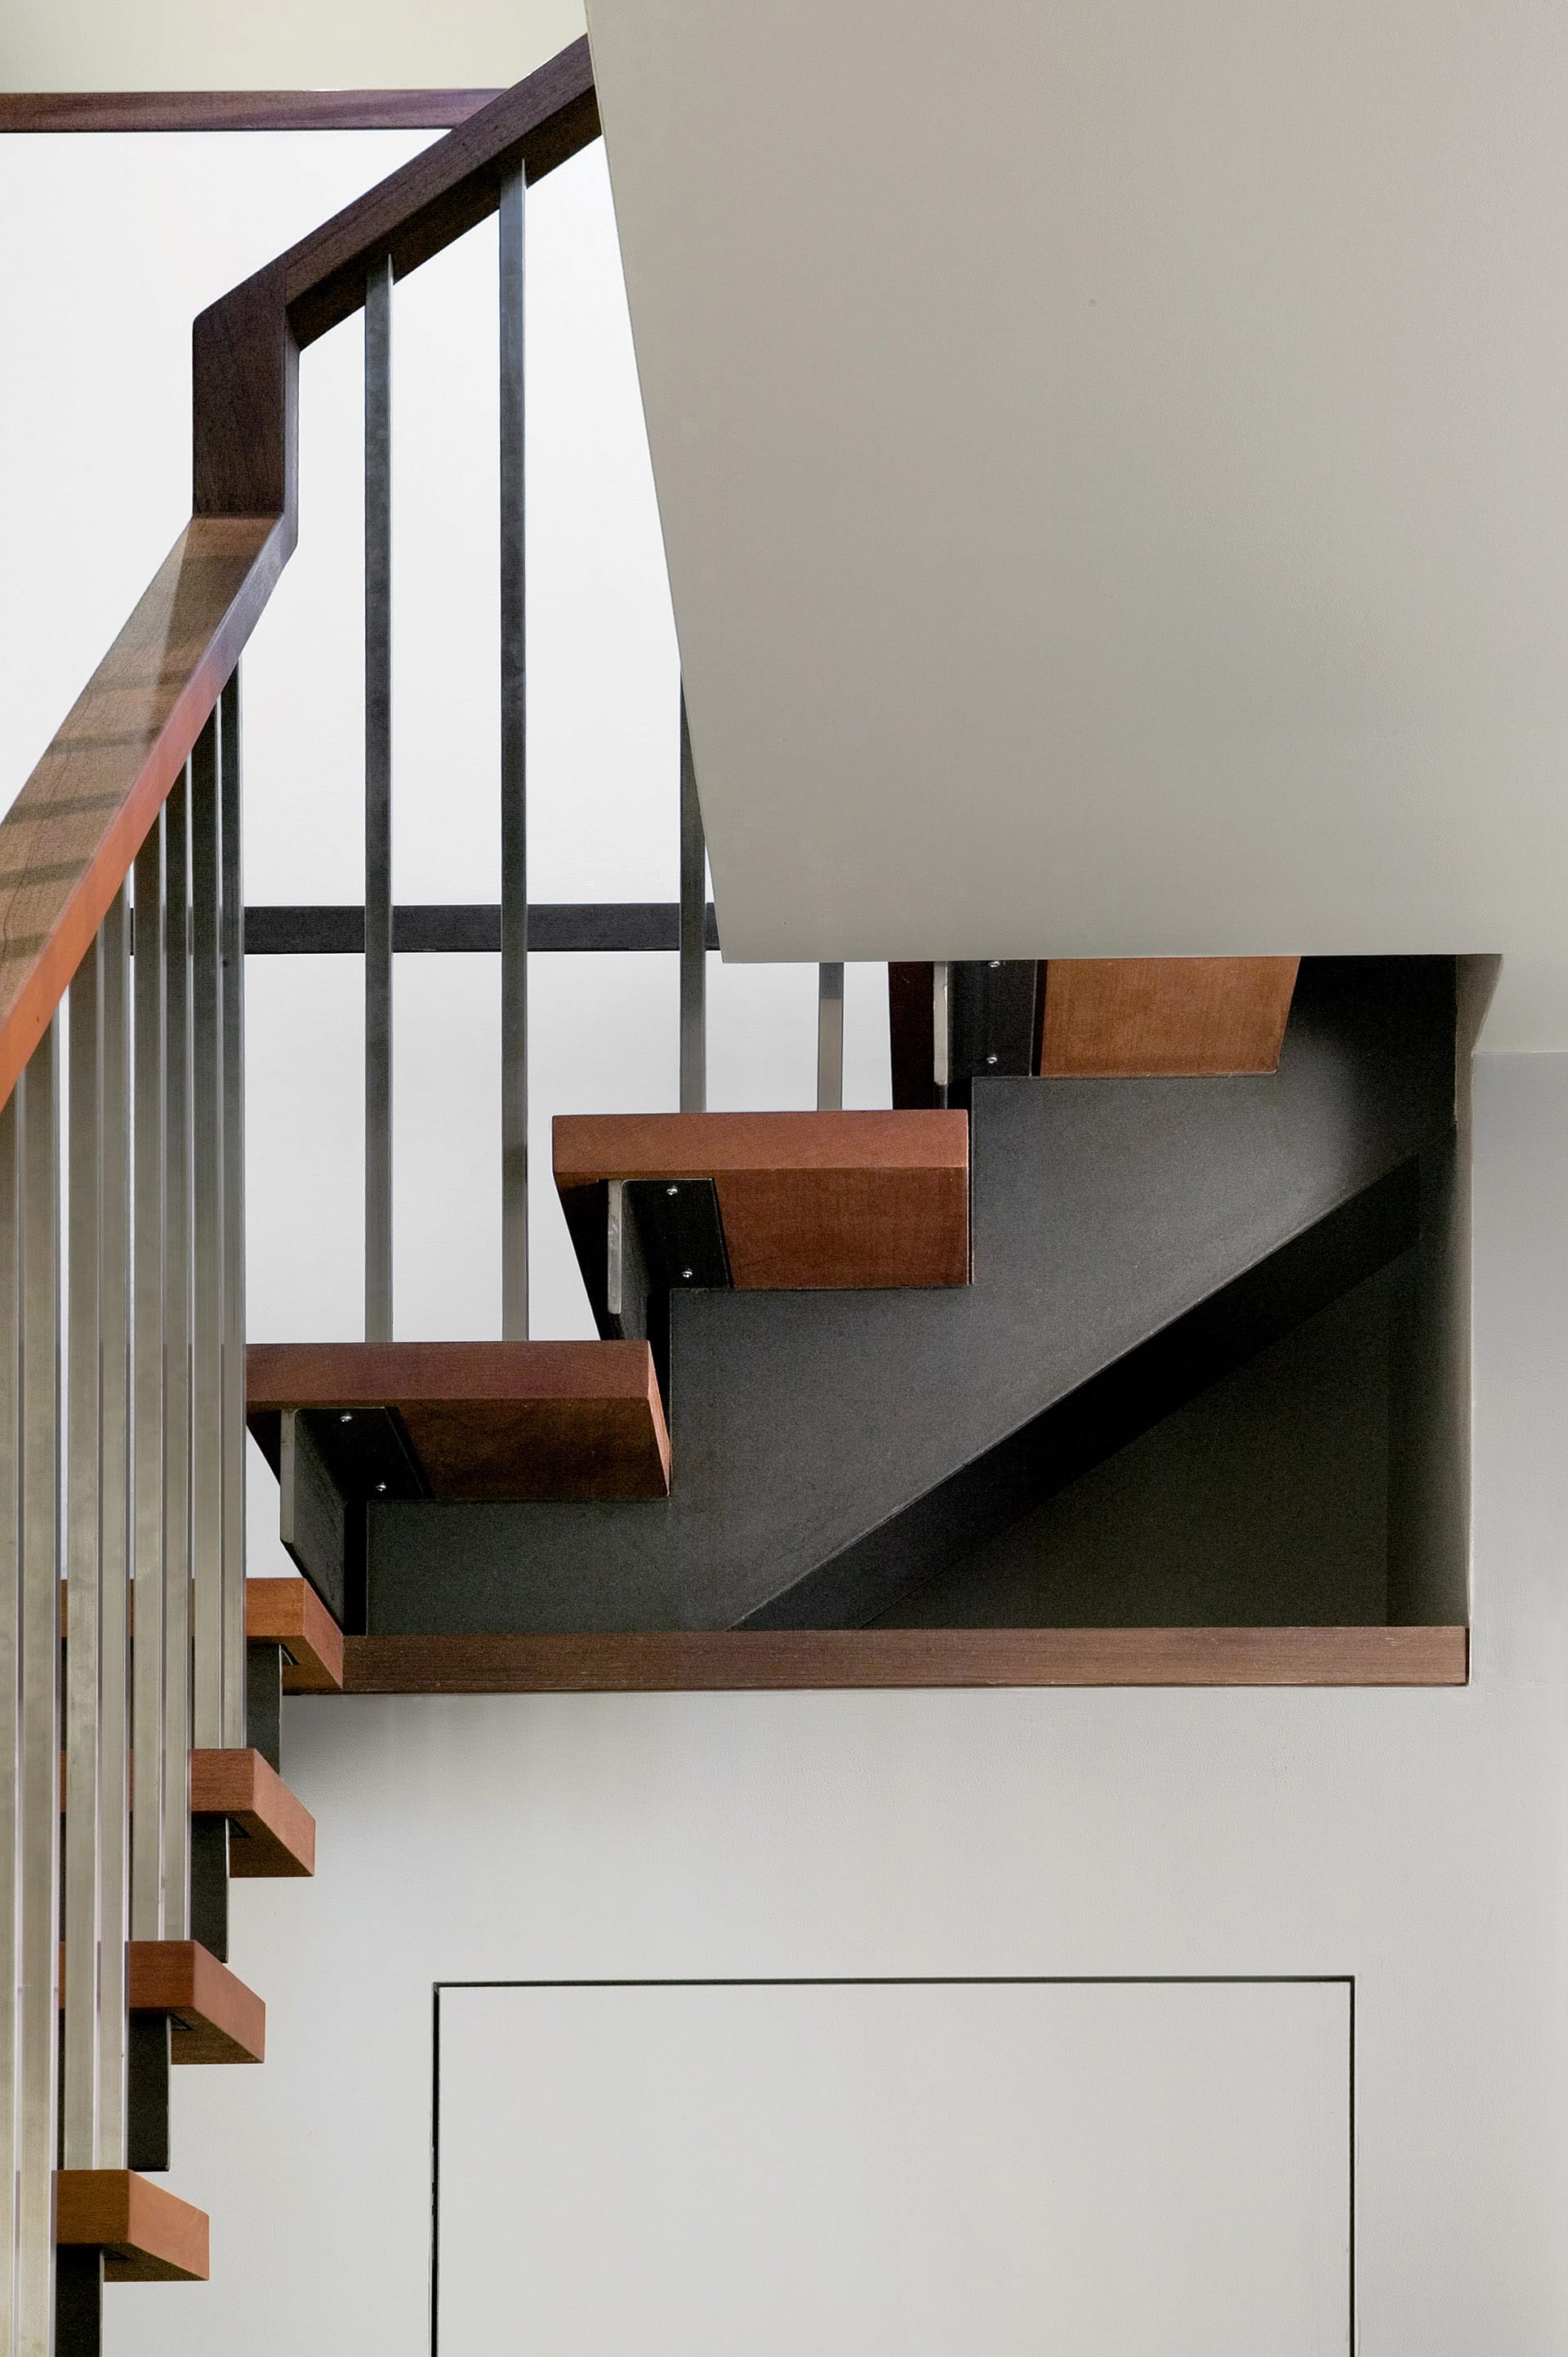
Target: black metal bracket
point(330, 1463)
point(147, 2090)
point(986, 1012)
point(209, 1885)
point(263, 1702)
point(638, 1241)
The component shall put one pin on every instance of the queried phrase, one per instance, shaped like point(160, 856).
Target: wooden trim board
point(146, 2233)
point(733, 1661)
point(240, 110)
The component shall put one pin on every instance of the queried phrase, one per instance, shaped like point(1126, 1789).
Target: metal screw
point(995, 965)
point(991, 1060)
point(671, 1190)
point(686, 1275)
point(381, 1489)
point(345, 1418)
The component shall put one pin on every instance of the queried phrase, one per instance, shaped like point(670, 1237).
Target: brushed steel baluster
point(114, 1317)
point(177, 1369)
point(378, 806)
point(151, 1117)
point(206, 1247)
point(513, 771)
point(233, 998)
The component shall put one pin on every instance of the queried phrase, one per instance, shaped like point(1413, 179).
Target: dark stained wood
point(279, 1832)
point(69, 839)
point(217, 2019)
point(737, 1660)
point(288, 1612)
point(146, 2233)
point(245, 403)
point(438, 195)
point(1136, 1017)
point(240, 110)
point(491, 1420)
point(807, 1198)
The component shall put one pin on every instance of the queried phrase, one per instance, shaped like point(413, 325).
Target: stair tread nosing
point(146, 2233)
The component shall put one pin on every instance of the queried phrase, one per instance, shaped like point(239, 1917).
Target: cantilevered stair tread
point(1139, 1017)
point(145, 2233)
point(216, 2018)
point(276, 1833)
point(834, 1201)
point(289, 1613)
point(506, 1421)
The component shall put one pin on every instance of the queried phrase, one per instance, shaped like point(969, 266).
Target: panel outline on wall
point(1347, 1981)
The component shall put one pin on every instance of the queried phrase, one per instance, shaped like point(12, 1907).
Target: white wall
point(1416, 1840)
point(288, 44)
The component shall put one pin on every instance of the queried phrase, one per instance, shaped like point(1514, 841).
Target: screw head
point(991, 1060)
point(686, 1275)
point(995, 965)
point(671, 1190)
point(345, 1418)
point(381, 1489)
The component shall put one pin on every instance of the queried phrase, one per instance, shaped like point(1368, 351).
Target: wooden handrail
point(68, 842)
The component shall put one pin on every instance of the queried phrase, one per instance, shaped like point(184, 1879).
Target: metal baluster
point(84, 1227)
point(177, 1370)
point(10, 1660)
point(114, 1319)
point(39, 1791)
point(233, 994)
point(830, 1037)
point(207, 1249)
point(378, 806)
point(147, 1384)
point(694, 934)
point(942, 1047)
point(514, 774)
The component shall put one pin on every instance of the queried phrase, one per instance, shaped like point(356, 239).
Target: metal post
point(147, 1390)
point(694, 934)
point(514, 775)
point(10, 1657)
point(39, 1791)
point(941, 1038)
point(176, 1370)
point(378, 805)
point(830, 1037)
point(114, 1324)
point(233, 997)
point(207, 1250)
point(79, 2122)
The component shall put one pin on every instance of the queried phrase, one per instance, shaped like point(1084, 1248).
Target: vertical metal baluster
point(694, 934)
point(378, 806)
point(177, 1371)
point(151, 1114)
point(114, 1315)
point(514, 772)
point(84, 1229)
point(233, 995)
point(830, 1037)
point(941, 1048)
point(207, 1250)
point(10, 1661)
point(39, 1692)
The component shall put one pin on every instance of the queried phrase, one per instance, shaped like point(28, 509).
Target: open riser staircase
point(839, 1352)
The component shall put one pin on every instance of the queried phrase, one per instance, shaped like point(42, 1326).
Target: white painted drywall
point(913, 2170)
point(1112, 463)
point(287, 45)
point(1416, 1840)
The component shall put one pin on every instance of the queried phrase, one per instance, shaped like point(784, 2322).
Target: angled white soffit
point(1113, 462)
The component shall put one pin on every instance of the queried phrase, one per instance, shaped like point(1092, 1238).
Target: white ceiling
point(1113, 462)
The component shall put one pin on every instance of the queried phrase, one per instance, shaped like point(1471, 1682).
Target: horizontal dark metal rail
point(338, 930)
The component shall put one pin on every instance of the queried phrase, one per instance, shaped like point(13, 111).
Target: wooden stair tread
point(807, 1200)
point(1141, 1017)
point(146, 2233)
point(278, 1831)
point(288, 1612)
point(486, 1420)
point(217, 2019)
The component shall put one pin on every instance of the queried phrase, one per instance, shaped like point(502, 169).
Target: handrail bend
point(68, 843)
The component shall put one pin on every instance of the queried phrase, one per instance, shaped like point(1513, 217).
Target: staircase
point(839, 1352)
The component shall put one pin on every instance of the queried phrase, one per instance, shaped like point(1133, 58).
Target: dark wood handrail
point(69, 839)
